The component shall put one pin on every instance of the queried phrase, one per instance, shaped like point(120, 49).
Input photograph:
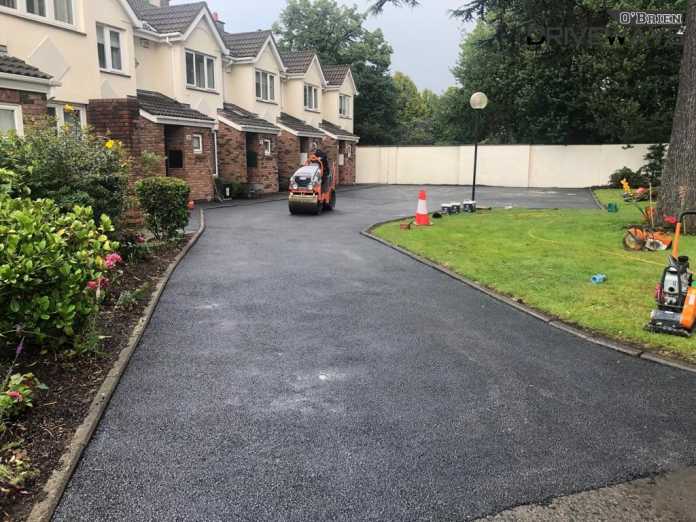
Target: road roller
point(313, 186)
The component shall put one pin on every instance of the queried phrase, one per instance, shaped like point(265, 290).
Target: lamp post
point(478, 102)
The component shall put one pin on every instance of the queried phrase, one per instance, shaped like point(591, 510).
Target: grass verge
point(547, 257)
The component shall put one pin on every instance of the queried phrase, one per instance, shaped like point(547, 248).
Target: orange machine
point(676, 293)
point(313, 187)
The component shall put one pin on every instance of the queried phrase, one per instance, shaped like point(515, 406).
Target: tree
point(414, 115)
point(338, 35)
point(678, 192)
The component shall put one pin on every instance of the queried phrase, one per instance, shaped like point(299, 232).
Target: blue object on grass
point(598, 279)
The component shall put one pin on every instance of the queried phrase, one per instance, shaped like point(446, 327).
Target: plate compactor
point(313, 186)
point(675, 294)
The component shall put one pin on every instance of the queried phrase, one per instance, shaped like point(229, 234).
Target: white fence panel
point(572, 166)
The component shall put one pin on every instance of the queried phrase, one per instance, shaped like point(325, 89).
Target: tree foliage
point(619, 86)
point(338, 35)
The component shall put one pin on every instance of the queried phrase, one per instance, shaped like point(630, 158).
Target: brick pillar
point(288, 157)
point(330, 147)
point(198, 168)
point(266, 171)
point(232, 154)
point(346, 173)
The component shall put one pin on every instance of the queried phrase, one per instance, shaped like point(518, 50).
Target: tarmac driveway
point(295, 370)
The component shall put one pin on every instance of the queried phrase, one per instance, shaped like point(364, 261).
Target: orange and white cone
point(422, 218)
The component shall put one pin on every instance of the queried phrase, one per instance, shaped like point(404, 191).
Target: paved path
point(297, 371)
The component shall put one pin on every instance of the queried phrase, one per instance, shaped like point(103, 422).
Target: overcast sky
point(425, 39)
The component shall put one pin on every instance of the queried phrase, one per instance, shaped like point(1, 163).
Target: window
point(109, 49)
point(265, 86)
point(344, 106)
point(197, 143)
point(68, 115)
point(311, 98)
point(349, 151)
point(59, 10)
point(37, 7)
point(63, 11)
point(200, 70)
point(267, 148)
point(11, 119)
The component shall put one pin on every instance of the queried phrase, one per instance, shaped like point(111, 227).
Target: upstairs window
point(63, 10)
point(37, 7)
point(59, 10)
point(109, 49)
point(265, 86)
point(344, 106)
point(200, 70)
point(311, 98)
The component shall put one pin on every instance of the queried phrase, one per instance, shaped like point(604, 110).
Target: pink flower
point(139, 238)
point(101, 282)
point(112, 260)
point(15, 395)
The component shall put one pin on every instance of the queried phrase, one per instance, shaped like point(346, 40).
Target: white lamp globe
point(478, 100)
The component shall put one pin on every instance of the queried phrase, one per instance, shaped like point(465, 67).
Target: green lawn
point(546, 258)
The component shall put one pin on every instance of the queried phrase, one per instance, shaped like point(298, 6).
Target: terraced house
point(170, 80)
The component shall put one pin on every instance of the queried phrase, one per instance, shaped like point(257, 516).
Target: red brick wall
point(346, 173)
point(33, 105)
point(288, 157)
point(232, 154)
point(330, 148)
point(266, 171)
point(198, 168)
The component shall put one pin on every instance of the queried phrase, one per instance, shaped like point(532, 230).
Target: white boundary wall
point(560, 166)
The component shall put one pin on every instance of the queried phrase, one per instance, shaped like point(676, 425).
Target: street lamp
point(478, 102)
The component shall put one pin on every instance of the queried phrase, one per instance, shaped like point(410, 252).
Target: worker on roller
point(324, 159)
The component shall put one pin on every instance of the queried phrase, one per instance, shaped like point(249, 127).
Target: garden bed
point(73, 380)
point(545, 258)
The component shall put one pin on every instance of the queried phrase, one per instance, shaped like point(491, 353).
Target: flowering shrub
point(18, 394)
point(47, 258)
point(68, 167)
point(165, 202)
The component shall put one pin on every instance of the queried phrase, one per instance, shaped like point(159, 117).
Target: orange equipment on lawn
point(313, 186)
point(676, 293)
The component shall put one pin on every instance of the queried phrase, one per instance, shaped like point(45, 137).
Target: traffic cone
point(422, 218)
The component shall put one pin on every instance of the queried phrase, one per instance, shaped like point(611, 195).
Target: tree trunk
point(678, 191)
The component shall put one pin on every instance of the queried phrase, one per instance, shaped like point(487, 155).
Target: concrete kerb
point(551, 321)
point(55, 487)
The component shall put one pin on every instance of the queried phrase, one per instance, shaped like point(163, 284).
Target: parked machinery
point(675, 294)
point(313, 186)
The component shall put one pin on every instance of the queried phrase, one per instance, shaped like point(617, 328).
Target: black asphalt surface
point(295, 370)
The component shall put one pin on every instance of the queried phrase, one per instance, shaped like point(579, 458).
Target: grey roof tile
point(171, 19)
point(245, 118)
point(12, 65)
point(337, 131)
point(335, 74)
point(298, 62)
point(298, 125)
point(246, 45)
point(158, 104)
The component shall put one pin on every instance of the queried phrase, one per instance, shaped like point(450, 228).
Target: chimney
point(220, 24)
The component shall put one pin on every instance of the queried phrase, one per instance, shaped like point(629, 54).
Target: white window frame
point(197, 148)
point(60, 113)
point(349, 150)
point(206, 80)
point(106, 31)
point(267, 147)
point(311, 95)
point(268, 96)
point(50, 16)
point(18, 116)
point(344, 105)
